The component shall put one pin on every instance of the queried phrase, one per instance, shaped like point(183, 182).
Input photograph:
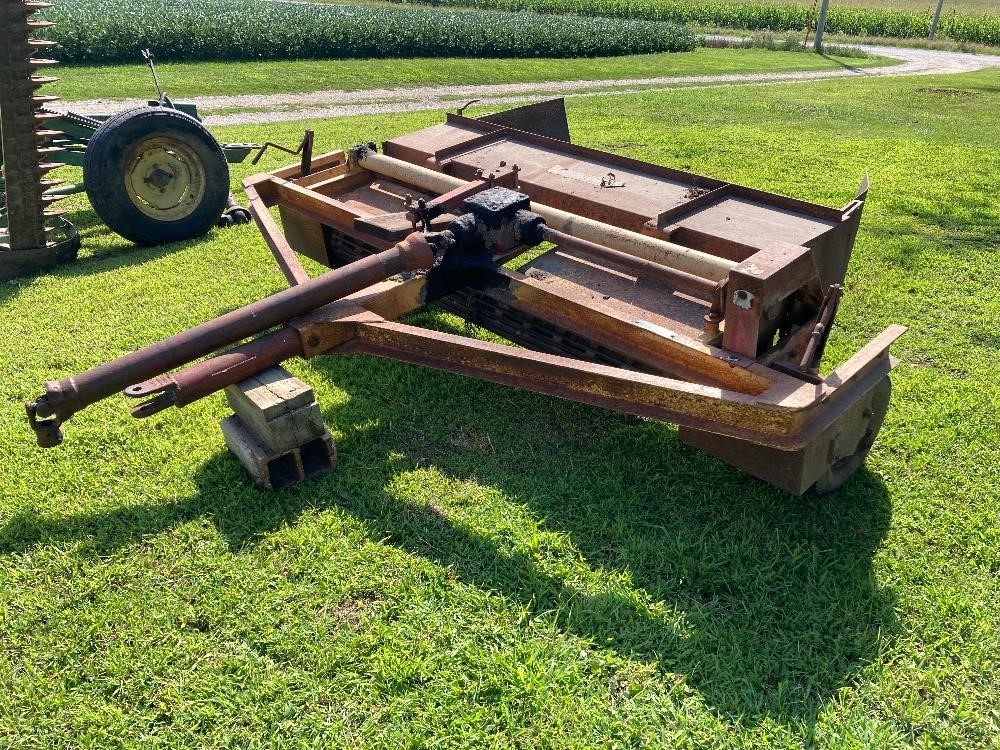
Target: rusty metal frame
point(721, 390)
point(750, 402)
point(34, 235)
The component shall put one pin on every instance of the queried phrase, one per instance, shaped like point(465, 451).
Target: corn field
point(981, 29)
point(114, 31)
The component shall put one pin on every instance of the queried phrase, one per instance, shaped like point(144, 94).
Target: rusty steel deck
point(733, 360)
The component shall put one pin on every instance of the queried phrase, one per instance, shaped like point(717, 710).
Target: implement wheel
point(845, 466)
point(156, 175)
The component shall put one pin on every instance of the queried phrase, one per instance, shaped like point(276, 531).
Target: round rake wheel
point(156, 175)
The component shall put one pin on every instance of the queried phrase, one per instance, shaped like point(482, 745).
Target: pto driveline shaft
point(65, 397)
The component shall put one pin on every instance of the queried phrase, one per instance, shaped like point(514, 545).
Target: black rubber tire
point(240, 216)
point(107, 157)
point(845, 467)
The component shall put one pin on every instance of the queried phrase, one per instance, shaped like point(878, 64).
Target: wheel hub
point(159, 179)
point(164, 179)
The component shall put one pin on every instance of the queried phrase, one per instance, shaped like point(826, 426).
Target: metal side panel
point(546, 118)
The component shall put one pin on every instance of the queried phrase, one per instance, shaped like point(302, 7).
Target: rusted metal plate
point(422, 144)
point(541, 118)
point(731, 221)
point(380, 196)
point(754, 223)
point(589, 282)
point(834, 445)
point(564, 181)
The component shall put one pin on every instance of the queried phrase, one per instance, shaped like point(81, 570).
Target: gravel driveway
point(265, 108)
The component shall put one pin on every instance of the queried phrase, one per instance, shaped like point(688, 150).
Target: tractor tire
point(156, 175)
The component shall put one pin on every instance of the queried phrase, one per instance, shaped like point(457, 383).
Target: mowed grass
point(218, 79)
point(492, 568)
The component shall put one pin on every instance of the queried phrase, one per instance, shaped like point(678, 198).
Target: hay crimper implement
point(32, 235)
point(664, 294)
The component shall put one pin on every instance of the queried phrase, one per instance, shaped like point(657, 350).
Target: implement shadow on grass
point(779, 603)
point(777, 598)
point(108, 257)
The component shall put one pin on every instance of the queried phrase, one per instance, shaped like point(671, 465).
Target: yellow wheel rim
point(164, 178)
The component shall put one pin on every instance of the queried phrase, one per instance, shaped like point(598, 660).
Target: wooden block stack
point(277, 430)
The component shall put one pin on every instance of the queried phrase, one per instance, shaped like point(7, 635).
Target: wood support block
point(276, 471)
point(277, 430)
point(278, 407)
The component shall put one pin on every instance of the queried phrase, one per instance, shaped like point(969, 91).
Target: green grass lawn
point(493, 568)
point(200, 79)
